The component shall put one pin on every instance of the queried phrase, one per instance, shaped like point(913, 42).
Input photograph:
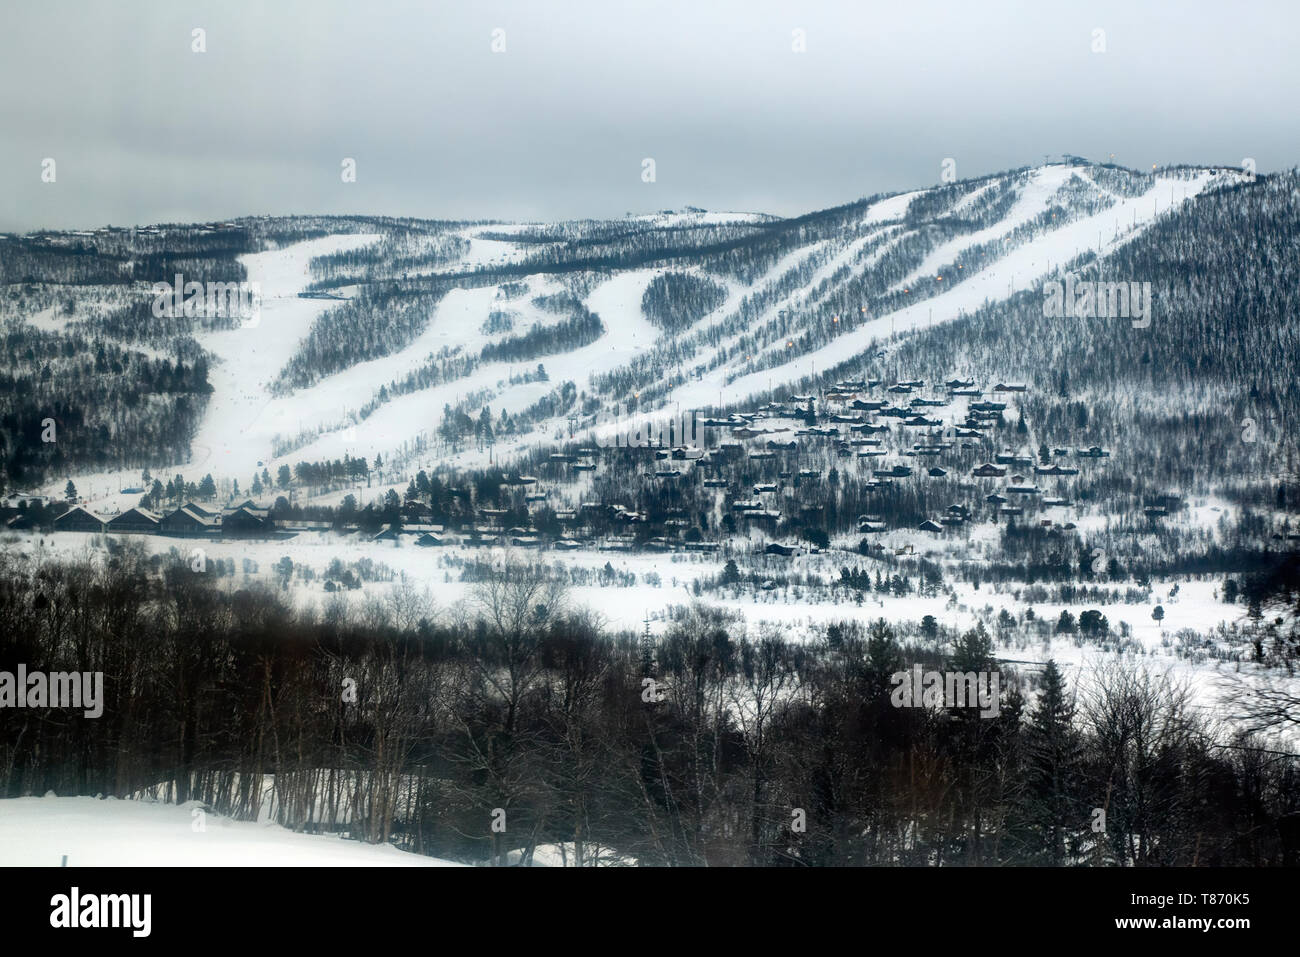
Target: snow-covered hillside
point(772, 329)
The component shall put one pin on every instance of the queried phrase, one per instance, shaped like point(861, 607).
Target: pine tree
point(884, 656)
point(647, 652)
point(1053, 754)
point(973, 651)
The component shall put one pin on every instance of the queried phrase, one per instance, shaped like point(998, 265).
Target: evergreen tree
point(973, 651)
point(884, 655)
point(1052, 760)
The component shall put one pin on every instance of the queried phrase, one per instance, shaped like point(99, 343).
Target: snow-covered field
point(90, 832)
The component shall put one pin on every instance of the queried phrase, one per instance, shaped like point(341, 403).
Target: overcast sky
point(144, 130)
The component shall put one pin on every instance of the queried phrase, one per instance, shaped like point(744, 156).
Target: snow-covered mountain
point(674, 311)
point(1038, 423)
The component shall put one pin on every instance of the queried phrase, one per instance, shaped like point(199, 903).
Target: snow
point(1022, 268)
point(666, 580)
point(561, 855)
point(892, 207)
point(48, 320)
point(627, 333)
point(38, 832)
point(242, 416)
point(243, 419)
point(699, 218)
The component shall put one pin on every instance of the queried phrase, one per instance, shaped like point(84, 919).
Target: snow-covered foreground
point(39, 832)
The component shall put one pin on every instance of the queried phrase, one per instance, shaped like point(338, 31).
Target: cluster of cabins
point(191, 520)
point(861, 419)
point(857, 425)
point(607, 527)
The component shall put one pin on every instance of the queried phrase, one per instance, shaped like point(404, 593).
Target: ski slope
point(242, 416)
point(1022, 268)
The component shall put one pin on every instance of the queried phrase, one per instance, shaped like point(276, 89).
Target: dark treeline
point(408, 247)
point(675, 301)
point(67, 402)
point(377, 321)
point(581, 327)
point(124, 256)
point(705, 745)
